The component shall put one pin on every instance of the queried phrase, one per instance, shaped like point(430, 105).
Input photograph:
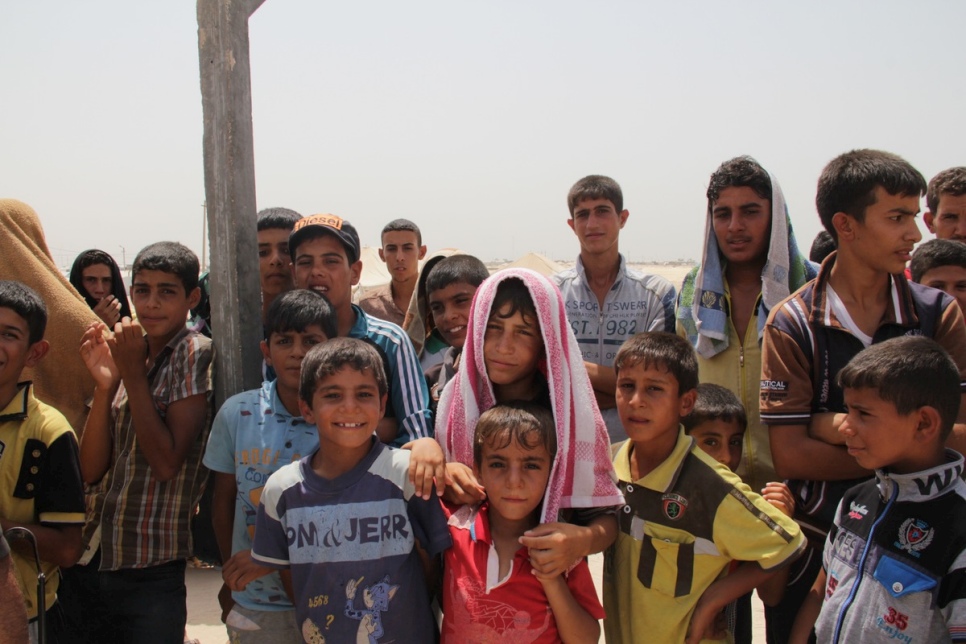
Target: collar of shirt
point(924, 485)
point(16, 409)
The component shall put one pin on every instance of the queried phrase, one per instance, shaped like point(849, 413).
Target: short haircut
point(514, 292)
point(397, 225)
point(277, 219)
point(456, 269)
point(298, 309)
point(329, 357)
point(848, 183)
point(948, 182)
point(935, 253)
point(737, 173)
point(25, 302)
point(660, 349)
point(822, 247)
point(715, 402)
point(910, 372)
point(526, 423)
point(595, 186)
point(169, 257)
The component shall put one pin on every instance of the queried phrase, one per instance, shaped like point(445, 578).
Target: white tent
point(536, 262)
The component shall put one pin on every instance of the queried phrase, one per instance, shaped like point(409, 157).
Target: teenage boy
point(274, 261)
point(750, 263)
point(402, 249)
point(895, 558)
point(344, 522)
point(142, 448)
point(945, 215)
point(868, 200)
point(42, 489)
point(491, 591)
point(941, 263)
point(254, 434)
point(686, 517)
point(325, 255)
point(450, 287)
point(606, 301)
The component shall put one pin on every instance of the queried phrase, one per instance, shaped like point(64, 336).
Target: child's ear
point(929, 219)
point(36, 352)
point(382, 405)
point(687, 402)
point(930, 423)
point(843, 225)
point(422, 252)
point(194, 297)
point(306, 410)
point(263, 345)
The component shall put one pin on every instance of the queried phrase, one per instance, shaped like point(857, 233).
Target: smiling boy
point(141, 450)
point(686, 518)
point(402, 249)
point(345, 521)
point(325, 257)
point(946, 205)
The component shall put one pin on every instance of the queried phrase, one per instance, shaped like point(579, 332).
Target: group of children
point(325, 480)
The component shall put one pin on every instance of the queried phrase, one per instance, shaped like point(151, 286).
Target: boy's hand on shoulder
point(426, 463)
point(462, 488)
point(109, 310)
point(97, 356)
point(240, 570)
point(779, 496)
point(554, 547)
point(129, 348)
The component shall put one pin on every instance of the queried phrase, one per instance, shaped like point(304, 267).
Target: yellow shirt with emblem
point(681, 527)
point(40, 480)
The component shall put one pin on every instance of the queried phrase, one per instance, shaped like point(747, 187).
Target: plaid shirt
point(143, 521)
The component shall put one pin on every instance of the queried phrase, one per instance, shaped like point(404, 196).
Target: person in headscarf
point(519, 346)
point(97, 277)
point(61, 379)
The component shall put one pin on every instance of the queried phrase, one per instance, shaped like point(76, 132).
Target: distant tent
point(374, 271)
point(536, 262)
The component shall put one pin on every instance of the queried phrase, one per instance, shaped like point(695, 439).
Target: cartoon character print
point(478, 619)
point(376, 599)
point(311, 633)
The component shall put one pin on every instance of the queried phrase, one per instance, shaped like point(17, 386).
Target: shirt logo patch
point(914, 535)
point(674, 506)
point(857, 510)
point(893, 623)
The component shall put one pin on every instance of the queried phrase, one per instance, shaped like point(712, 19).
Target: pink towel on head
point(582, 475)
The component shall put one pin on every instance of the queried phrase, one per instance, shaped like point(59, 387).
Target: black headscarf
point(90, 258)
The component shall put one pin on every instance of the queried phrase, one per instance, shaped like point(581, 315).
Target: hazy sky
point(473, 120)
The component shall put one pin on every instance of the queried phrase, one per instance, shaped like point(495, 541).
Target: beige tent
point(536, 262)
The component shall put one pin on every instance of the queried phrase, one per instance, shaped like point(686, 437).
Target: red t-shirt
point(479, 607)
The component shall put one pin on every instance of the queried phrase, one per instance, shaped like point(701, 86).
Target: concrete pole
point(226, 98)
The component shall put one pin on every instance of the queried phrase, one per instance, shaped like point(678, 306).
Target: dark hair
point(325, 359)
point(935, 253)
point(276, 218)
point(96, 257)
point(715, 402)
point(910, 372)
point(848, 183)
point(514, 292)
point(296, 310)
point(595, 186)
point(456, 269)
point(660, 349)
point(169, 257)
point(25, 302)
point(739, 172)
point(526, 423)
point(397, 225)
point(948, 182)
point(822, 247)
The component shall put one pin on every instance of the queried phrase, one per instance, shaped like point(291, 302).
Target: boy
point(325, 254)
point(274, 262)
point(895, 557)
point(946, 205)
point(941, 263)
point(868, 201)
point(402, 249)
point(750, 263)
point(450, 287)
point(686, 519)
point(606, 301)
point(142, 448)
point(253, 435)
point(344, 521)
point(42, 488)
point(490, 589)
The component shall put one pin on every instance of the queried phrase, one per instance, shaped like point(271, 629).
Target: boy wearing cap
point(325, 258)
